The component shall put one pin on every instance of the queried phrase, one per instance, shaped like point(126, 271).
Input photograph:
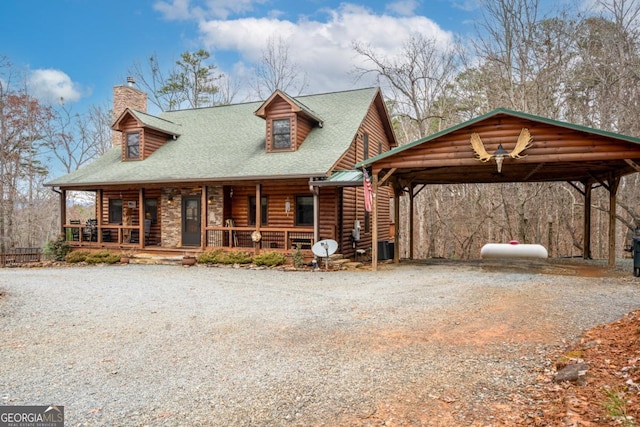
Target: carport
point(508, 146)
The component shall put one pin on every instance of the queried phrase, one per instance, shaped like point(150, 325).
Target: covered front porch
point(90, 235)
point(194, 218)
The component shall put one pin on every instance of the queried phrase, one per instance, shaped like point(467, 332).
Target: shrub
point(211, 257)
point(236, 258)
point(57, 249)
point(76, 256)
point(103, 257)
point(220, 257)
point(270, 259)
point(298, 258)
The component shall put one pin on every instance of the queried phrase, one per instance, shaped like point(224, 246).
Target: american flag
point(368, 191)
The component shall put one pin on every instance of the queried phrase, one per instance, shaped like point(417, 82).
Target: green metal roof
point(490, 114)
point(348, 178)
point(228, 143)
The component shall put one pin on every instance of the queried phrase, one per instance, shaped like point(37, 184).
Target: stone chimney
point(126, 97)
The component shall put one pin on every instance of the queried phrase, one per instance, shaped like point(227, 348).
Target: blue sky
point(80, 49)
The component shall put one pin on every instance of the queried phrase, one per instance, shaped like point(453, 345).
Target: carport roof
point(559, 151)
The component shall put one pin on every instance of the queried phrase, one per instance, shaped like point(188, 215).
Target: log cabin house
point(270, 175)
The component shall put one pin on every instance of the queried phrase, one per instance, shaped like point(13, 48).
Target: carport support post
point(411, 198)
point(613, 191)
point(586, 229)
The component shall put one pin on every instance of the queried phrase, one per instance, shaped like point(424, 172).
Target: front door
point(191, 221)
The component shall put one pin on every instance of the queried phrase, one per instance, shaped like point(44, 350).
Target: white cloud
point(322, 49)
point(224, 8)
point(468, 5)
point(174, 9)
point(402, 7)
point(52, 85)
point(216, 9)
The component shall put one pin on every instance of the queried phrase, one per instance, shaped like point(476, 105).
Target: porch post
point(586, 229)
point(256, 245)
point(99, 214)
point(316, 213)
point(203, 217)
point(374, 219)
point(141, 218)
point(63, 210)
point(396, 214)
point(614, 181)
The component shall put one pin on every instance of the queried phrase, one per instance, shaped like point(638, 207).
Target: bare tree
point(276, 71)
point(227, 90)
point(97, 128)
point(75, 139)
point(151, 79)
point(506, 42)
point(525, 58)
point(418, 77)
point(606, 75)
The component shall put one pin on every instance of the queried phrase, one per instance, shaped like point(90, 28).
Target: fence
point(20, 256)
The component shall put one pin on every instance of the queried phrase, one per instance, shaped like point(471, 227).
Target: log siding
point(225, 204)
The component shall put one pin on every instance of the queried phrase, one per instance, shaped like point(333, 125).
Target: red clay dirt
point(608, 396)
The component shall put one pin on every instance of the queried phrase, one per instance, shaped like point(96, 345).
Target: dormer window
point(288, 122)
point(281, 134)
point(133, 145)
point(142, 134)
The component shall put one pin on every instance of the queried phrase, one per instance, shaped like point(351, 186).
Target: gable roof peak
point(149, 121)
point(296, 106)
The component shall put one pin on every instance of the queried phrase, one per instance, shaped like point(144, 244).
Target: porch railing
point(216, 237)
point(271, 237)
point(87, 234)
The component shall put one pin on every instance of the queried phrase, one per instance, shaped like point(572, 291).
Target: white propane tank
point(513, 250)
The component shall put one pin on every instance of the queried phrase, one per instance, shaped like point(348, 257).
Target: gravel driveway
point(415, 344)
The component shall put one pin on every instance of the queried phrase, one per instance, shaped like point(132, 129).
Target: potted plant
point(189, 260)
point(125, 257)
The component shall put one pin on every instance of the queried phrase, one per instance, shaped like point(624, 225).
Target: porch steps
point(352, 265)
point(339, 261)
point(155, 259)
